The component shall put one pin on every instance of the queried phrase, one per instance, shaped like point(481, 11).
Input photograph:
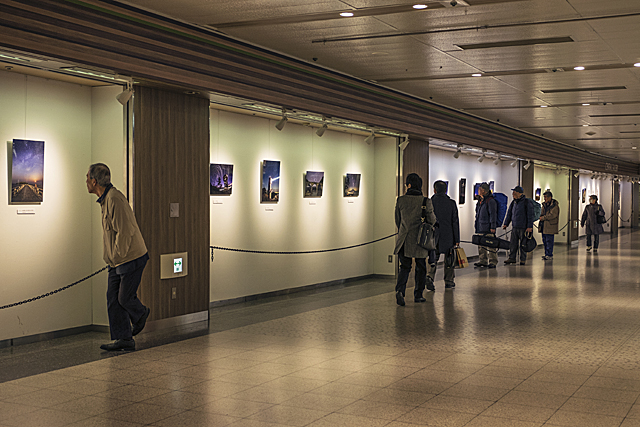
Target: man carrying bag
point(486, 223)
point(446, 212)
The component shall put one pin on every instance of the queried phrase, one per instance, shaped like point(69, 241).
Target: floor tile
point(375, 409)
point(289, 415)
point(345, 420)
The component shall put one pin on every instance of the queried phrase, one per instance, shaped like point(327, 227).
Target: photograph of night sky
point(220, 179)
point(313, 183)
point(352, 185)
point(270, 181)
point(27, 171)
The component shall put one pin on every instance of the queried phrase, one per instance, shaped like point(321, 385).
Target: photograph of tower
point(27, 172)
point(352, 185)
point(270, 181)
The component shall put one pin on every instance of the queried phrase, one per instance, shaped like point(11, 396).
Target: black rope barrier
point(52, 292)
point(250, 251)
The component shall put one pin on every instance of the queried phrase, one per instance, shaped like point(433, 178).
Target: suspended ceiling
point(525, 51)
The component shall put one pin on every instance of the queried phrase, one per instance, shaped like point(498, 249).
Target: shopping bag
point(461, 258)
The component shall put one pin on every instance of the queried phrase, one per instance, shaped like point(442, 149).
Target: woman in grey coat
point(408, 218)
point(590, 218)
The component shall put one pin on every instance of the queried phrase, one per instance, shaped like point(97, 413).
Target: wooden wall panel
point(416, 160)
point(171, 165)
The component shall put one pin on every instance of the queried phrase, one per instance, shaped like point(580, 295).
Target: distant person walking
point(520, 212)
point(548, 225)
point(486, 223)
point(446, 211)
point(590, 219)
point(408, 216)
point(126, 256)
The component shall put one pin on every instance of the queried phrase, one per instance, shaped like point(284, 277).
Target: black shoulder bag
point(428, 235)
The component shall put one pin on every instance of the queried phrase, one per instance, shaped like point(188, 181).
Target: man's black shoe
point(449, 285)
point(139, 326)
point(491, 266)
point(120, 345)
point(510, 261)
point(480, 264)
point(419, 299)
point(399, 298)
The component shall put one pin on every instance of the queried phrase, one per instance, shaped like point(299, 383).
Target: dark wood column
point(416, 160)
point(574, 208)
point(171, 165)
point(635, 197)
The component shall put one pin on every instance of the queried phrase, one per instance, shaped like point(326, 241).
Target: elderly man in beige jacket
point(126, 256)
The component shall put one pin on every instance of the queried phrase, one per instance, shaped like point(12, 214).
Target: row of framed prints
point(221, 182)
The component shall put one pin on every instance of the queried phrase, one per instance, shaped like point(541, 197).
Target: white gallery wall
point(443, 166)
point(294, 223)
point(55, 245)
point(626, 204)
point(547, 179)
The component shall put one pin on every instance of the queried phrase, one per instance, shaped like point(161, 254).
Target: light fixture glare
point(419, 6)
point(346, 14)
point(578, 68)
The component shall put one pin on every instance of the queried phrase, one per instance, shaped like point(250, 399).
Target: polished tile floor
point(553, 343)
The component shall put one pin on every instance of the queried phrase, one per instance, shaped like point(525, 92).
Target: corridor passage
point(553, 343)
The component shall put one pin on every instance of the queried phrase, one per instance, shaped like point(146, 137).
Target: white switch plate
point(174, 210)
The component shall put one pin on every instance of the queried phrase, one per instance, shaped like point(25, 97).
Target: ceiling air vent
point(584, 89)
point(511, 43)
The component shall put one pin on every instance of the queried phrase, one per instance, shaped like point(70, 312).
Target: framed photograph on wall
point(492, 186)
point(447, 189)
point(27, 172)
point(352, 185)
point(462, 190)
point(313, 184)
point(476, 190)
point(270, 191)
point(220, 179)
point(584, 195)
point(538, 192)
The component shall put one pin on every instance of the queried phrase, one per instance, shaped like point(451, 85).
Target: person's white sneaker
point(588, 248)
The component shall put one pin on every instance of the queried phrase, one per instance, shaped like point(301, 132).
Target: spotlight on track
point(528, 165)
point(481, 158)
point(370, 138)
point(125, 95)
point(458, 152)
point(577, 174)
point(282, 121)
point(404, 143)
point(558, 171)
point(514, 163)
point(497, 160)
point(321, 130)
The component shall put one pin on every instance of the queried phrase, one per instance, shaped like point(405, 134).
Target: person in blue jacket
point(486, 223)
point(520, 212)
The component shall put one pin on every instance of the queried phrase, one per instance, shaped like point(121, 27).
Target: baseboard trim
point(173, 322)
point(289, 291)
point(46, 336)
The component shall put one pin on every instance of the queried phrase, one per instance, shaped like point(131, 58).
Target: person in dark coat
point(486, 223)
point(408, 217)
point(446, 211)
point(589, 218)
point(520, 212)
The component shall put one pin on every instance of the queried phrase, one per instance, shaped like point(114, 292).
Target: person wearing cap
point(520, 212)
point(548, 224)
point(486, 223)
point(590, 219)
point(446, 211)
point(408, 216)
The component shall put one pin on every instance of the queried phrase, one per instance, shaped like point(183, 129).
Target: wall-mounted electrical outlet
point(173, 293)
point(390, 258)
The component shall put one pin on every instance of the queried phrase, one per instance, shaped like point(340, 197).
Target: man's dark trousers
point(517, 237)
point(123, 305)
point(405, 269)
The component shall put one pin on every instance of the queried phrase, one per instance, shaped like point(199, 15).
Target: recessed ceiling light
point(578, 68)
point(476, 75)
point(346, 14)
point(419, 6)
point(584, 105)
point(634, 148)
point(543, 106)
point(637, 64)
point(584, 126)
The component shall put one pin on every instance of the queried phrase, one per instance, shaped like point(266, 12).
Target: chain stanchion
point(222, 248)
point(52, 292)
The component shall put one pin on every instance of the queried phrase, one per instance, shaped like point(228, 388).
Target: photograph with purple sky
point(270, 181)
point(27, 171)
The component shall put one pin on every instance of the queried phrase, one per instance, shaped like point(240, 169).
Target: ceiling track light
point(282, 121)
point(370, 138)
point(458, 152)
point(481, 158)
point(558, 171)
point(497, 160)
point(577, 174)
point(125, 95)
point(528, 165)
point(322, 129)
point(514, 163)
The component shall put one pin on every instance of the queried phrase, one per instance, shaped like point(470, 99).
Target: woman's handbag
point(600, 217)
point(528, 243)
point(461, 258)
point(428, 235)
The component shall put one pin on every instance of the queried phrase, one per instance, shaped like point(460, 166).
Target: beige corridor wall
point(52, 247)
point(294, 223)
